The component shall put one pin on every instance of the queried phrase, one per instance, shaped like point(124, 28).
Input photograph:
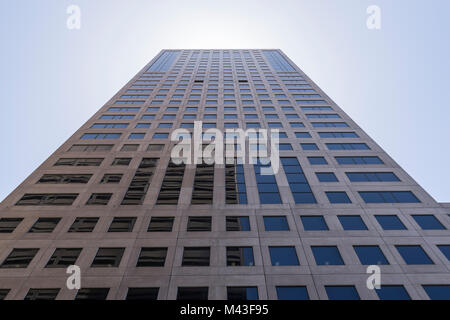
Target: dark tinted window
point(390, 222)
point(152, 257)
point(161, 224)
point(370, 255)
point(196, 256)
point(352, 223)
point(192, 293)
point(292, 293)
point(414, 255)
point(276, 223)
point(237, 223)
point(342, 293)
point(108, 257)
point(283, 256)
point(392, 293)
point(311, 223)
point(327, 255)
point(428, 222)
point(242, 293)
point(142, 294)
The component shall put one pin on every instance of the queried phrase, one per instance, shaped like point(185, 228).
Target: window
point(203, 184)
point(90, 148)
point(160, 135)
point(236, 192)
point(242, 293)
point(83, 225)
point(101, 136)
point(347, 146)
point(129, 147)
point(155, 147)
point(108, 257)
point(8, 225)
point(140, 183)
point(109, 125)
point(124, 109)
point(199, 224)
point(142, 294)
point(358, 160)
point(309, 146)
point(122, 224)
point(192, 293)
point(392, 292)
point(3, 293)
point(314, 223)
point(63, 257)
point(111, 178)
point(121, 162)
point(390, 222)
point(370, 255)
point(388, 197)
point(301, 191)
point(428, 222)
point(283, 256)
point(352, 223)
point(303, 135)
point(445, 249)
point(99, 199)
point(161, 224)
point(92, 294)
point(372, 177)
point(437, 292)
point(152, 257)
point(327, 256)
point(338, 197)
point(326, 177)
point(196, 257)
point(57, 199)
point(413, 254)
point(41, 294)
point(64, 178)
point(292, 293)
point(329, 125)
point(136, 136)
point(240, 256)
point(342, 293)
point(317, 160)
point(276, 223)
point(338, 135)
point(237, 223)
point(44, 225)
point(19, 258)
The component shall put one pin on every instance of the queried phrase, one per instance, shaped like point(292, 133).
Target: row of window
point(293, 292)
point(202, 194)
point(233, 223)
point(235, 256)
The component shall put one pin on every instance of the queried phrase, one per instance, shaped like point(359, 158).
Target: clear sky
point(393, 82)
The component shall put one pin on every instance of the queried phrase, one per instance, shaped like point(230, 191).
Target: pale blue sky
point(54, 79)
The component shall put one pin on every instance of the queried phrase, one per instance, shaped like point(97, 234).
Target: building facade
point(111, 201)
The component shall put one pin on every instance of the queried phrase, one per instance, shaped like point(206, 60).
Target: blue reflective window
point(326, 177)
point(160, 136)
point(302, 135)
point(327, 255)
point(342, 293)
point(445, 249)
point(414, 255)
point(428, 222)
point(390, 222)
point(370, 255)
point(394, 292)
point(292, 293)
point(347, 146)
point(372, 177)
point(358, 160)
point(136, 136)
point(301, 191)
point(165, 125)
point(277, 223)
point(352, 223)
point(437, 292)
point(317, 160)
point(143, 126)
point(388, 197)
point(338, 197)
point(283, 256)
point(297, 125)
point(284, 146)
point(314, 223)
point(309, 146)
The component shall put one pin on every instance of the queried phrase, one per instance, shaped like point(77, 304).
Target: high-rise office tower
point(138, 225)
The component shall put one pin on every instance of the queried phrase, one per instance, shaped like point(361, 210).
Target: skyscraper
point(139, 225)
